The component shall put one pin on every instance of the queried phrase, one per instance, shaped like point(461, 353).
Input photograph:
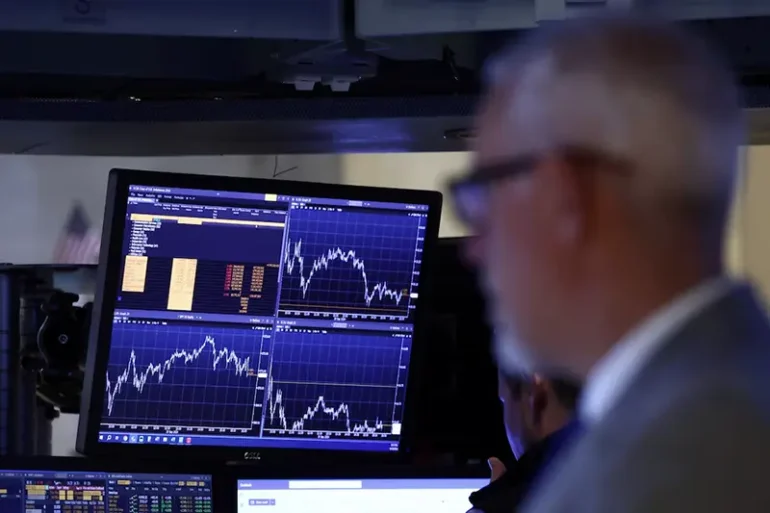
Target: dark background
point(459, 411)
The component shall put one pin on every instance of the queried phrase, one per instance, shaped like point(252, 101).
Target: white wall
point(36, 192)
point(411, 171)
point(752, 224)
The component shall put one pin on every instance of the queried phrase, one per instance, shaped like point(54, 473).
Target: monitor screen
point(448, 495)
point(261, 320)
point(62, 491)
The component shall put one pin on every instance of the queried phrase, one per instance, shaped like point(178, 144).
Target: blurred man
point(536, 413)
point(604, 169)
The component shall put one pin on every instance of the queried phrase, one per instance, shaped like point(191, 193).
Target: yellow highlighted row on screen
point(181, 287)
point(149, 218)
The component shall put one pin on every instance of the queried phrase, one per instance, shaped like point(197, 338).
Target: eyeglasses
point(470, 194)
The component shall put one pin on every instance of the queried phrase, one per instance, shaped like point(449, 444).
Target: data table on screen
point(62, 491)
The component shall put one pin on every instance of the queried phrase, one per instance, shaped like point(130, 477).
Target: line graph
point(183, 376)
point(350, 262)
point(277, 413)
point(336, 382)
point(138, 379)
point(378, 290)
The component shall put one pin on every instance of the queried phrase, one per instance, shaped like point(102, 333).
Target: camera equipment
point(42, 351)
point(58, 353)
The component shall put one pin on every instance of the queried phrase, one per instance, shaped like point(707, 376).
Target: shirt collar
point(613, 374)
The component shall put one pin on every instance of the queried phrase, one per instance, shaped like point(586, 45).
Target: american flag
point(78, 242)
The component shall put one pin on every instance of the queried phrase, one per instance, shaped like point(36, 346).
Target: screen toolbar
point(44, 491)
point(262, 320)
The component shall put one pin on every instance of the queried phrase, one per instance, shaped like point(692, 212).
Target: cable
point(277, 173)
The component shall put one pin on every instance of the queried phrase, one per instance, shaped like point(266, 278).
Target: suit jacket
point(507, 493)
point(691, 434)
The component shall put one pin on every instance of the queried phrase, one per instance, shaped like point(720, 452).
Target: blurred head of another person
point(534, 408)
point(604, 165)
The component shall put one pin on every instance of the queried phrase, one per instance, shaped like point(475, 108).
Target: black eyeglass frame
point(486, 175)
point(480, 179)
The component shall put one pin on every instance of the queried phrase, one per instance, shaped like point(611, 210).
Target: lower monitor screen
point(447, 495)
point(256, 320)
point(44, 491)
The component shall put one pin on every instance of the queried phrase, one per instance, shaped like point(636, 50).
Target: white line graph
point(276, 408)
point(132, 376)
point(335, 382)
point(293, 259)
point(350, 262)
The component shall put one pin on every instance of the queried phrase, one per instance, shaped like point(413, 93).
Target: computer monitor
point(458, 343)
point(253, 315)
point(405, 495)
point(44, 489)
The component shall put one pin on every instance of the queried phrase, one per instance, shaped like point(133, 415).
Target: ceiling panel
point(705, 9)
point(402, 17)
point(274, 19)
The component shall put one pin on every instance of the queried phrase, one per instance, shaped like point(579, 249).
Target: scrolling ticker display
point(265, 321)
point(100, 492)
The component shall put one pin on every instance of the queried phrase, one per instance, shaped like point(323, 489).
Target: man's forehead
point(496, 138)
point(515, 113)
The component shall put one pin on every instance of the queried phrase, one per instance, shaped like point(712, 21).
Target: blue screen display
point(102, 492)
point(261, 320)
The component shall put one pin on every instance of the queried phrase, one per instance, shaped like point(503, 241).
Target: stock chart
point(178, 376)
point(350, 262)
point(231, 324)
point(336, 382)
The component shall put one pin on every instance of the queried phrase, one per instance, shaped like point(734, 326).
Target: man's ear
point(538, 397)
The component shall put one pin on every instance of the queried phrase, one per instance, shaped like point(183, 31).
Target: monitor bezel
point(108, 274)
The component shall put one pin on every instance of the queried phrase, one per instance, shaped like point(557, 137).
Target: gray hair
point(644, 91)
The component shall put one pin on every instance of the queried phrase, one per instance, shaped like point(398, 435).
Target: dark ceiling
point(145, 95)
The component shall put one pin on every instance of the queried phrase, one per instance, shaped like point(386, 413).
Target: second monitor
point(255, 314)
point(404, 495)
